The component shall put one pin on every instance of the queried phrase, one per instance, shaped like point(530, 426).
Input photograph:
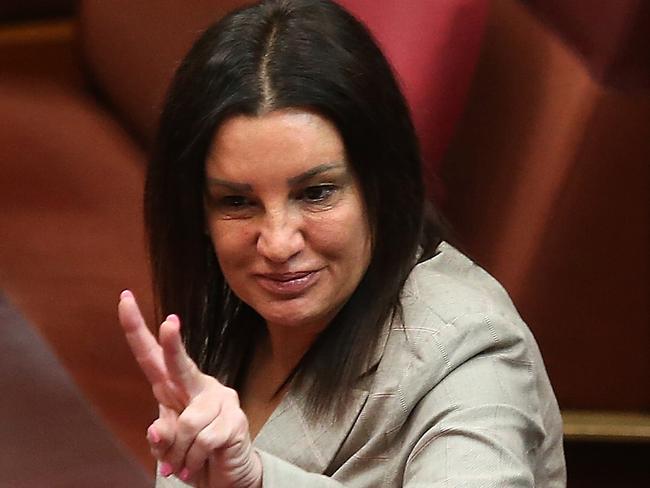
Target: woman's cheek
point(231, 239)
point(326, 233)
point(341, 227)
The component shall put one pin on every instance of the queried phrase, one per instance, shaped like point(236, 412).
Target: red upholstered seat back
point(133, 48)
point(548, 184)
point(434, 47)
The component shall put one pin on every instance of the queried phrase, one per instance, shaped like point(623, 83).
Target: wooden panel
point(606, 426)
point(20, 10)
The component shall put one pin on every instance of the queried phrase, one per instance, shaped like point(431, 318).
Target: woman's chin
point(290, 319)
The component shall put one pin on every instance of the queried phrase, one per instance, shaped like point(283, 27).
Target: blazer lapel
point(288, 434)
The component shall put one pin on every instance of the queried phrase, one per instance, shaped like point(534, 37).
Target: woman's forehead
point(284, 140)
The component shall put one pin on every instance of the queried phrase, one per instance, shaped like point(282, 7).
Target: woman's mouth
point(288, 284)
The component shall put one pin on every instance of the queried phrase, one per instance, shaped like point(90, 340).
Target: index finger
point(144, 346)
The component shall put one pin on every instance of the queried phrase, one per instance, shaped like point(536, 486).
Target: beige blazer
point(459, 397)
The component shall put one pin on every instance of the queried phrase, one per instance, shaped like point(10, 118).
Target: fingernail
point(184, 474)
point(166, 469)
point(152, 435)
point(173, 318)
point(126, 294)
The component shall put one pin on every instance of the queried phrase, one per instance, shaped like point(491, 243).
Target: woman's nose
point(280, 236)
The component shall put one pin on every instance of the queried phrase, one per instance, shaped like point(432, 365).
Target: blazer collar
point(408, 297)
point(290, 435)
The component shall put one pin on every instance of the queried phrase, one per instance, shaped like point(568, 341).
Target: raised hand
point(201, 434)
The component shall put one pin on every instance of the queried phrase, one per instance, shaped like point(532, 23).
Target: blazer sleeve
point(481, 426)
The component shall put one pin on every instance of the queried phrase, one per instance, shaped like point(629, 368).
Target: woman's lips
point(288, 284)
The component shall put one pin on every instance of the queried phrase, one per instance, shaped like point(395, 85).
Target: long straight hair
point(286, 54)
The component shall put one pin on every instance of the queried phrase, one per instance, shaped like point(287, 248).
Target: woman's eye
point(231, 206)
point(318, 193)
point(234, 202)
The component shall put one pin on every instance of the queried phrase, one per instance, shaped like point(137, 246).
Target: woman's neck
point(284, 346)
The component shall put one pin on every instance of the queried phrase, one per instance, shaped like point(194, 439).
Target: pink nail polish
point(153, 436)
point(184, 474)
point(126, 294)
point(173, 318)
point(166, 469)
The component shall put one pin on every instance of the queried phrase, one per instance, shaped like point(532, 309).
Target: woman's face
point(286, 216)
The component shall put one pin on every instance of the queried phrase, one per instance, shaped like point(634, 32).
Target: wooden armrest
point(606, 426)
point(59, 30)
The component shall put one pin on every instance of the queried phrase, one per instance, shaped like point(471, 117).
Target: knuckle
point(158, 425)
point(205, 440)
point(240, 419)
point(231, 395)
point(187, 425)
point(195, 459)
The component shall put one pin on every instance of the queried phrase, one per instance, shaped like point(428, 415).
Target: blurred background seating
point(548, 185)
point(535, 126)
point(50, 436)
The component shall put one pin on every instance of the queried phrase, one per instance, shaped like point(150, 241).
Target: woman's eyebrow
point(231, 185)
point(293, 181)
point(316, 170)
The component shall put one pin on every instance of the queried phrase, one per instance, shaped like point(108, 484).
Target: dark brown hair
point(279, 54)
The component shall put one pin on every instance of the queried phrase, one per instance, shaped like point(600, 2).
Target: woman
point(323, 315)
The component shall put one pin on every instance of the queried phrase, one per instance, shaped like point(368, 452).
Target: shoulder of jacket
point(451, 285)
point(452, 311)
